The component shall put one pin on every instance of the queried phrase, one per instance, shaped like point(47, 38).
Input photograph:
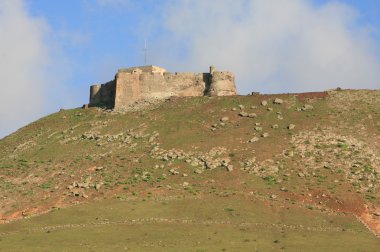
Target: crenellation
point(145, 82)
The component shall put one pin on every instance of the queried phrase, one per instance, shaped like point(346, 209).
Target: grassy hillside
point(205, 174)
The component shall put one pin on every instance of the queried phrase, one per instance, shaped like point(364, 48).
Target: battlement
point(145, 82)
point(143, 69)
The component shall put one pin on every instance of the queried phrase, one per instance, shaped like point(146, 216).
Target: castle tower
point(221, 83)
point(94, 94)
point(212, 69)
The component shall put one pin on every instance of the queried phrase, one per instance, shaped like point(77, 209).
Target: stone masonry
point(152, 82)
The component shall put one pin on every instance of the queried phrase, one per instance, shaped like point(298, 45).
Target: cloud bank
point(24, 66)
point(271, 45)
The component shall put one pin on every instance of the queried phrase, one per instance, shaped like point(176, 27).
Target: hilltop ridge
point(310, 161)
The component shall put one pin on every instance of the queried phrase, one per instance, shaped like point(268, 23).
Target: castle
point(147, 82)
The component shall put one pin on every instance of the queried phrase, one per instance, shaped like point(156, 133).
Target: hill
point(262, 172)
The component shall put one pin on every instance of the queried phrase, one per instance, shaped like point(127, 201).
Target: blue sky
point(54, 50)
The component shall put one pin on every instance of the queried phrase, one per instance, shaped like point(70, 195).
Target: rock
point(185, 184)
point(75, 193)
point(225, 162)
point(83, 185)
point(233, 109)
point(252, 115)
point(258, 128)
point(279, 117)
point(194, 163)
point(254, 139)
point(198, 171)
point(278, 101)
point(230, 168)
point(224, 119)
point(283, 189)
point(300, 174)
point(253, 107)
point(273, 196)
point(222, 124)
point(376, 214)
point(184, 175)
point(264, 135)
point(98, 186)
point(275, 126)
point(173, 172)
point(243, 114)
point(307, 107)
point(270, 109)
point(291, 126)
point(257, 124)
point(289, 153)
point(241, 107)
point(264, 103)
point(99, 168)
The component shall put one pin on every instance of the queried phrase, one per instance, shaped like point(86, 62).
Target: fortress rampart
point(146, 82)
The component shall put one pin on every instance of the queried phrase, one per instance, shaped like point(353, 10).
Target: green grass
point(208, 224)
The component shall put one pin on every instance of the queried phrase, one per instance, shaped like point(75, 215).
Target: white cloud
point(25, 76)
point(271, 45)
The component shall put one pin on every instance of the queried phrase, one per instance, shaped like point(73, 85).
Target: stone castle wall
point(133, 84)
point(103, 95)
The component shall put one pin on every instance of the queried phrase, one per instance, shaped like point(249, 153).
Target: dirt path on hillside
point(370, 220)
point(155, 220)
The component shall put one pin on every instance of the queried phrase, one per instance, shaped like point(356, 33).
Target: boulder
point(254, 139)
point(258, 128)
point(278, 101)
point(225, 119)
point(198, 171)
point(243, 114)
point(264, 103)
point(230, 168)
point(307, 107)
point(291, 126)
point(265, 135)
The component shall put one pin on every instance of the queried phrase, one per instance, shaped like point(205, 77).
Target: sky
point(52, 51)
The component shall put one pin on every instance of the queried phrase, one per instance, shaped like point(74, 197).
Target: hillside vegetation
point(292, 172)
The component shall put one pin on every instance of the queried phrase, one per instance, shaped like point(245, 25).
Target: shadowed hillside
point(263, 172)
